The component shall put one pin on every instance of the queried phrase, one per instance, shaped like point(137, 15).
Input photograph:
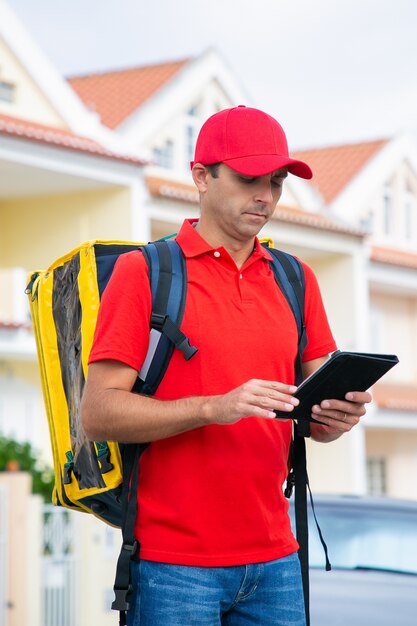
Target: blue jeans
point(264, 594)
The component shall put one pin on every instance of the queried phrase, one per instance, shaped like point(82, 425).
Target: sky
point(331, 71)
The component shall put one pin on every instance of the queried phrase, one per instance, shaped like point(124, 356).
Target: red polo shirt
point(213, 496)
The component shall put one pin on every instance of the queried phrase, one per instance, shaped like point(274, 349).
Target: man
point(216, 544)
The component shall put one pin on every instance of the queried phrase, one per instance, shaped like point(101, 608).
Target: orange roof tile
point(314, 220)
point(117, 94)
point(333, 167)
point(59, 137)
point(397, 397)
point(392, 256)
point(172, 189)
point(14, 326)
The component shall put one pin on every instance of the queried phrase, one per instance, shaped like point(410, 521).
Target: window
point(410, 215)
point(387, 211)
point(190, 139)
point(164, 155)
point(192, 111)
point(364, 535)
point(368, 222)
point(190, 134)
point(7, 91)
point(376, 476)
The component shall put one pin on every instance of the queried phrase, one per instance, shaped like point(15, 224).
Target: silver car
point(372, 545)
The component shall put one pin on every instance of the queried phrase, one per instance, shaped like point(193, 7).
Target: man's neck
point(240, 251)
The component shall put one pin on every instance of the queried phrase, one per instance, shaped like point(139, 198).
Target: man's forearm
point(118, 415)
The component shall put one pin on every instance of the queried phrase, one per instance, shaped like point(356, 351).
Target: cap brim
point(262, 164)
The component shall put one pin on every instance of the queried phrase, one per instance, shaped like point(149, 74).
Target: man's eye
point(248, 179)
point(277, 182)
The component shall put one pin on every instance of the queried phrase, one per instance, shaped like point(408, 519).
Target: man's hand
point(257, 398)
point(338, 416)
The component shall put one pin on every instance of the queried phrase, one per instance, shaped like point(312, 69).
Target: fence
point(59, 589)
point(56, 566)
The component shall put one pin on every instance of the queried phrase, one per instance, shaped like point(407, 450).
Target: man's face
point(241, 205)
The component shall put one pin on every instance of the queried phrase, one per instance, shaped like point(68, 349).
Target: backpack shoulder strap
point(168, 281)
point(289, 274)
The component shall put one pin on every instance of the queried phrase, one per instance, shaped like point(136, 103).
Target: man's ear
point(200, 174)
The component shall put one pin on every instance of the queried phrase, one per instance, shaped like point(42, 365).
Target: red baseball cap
point(249, 141)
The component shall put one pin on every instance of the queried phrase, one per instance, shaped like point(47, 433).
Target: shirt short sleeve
point(319, 336)
point(122, 330)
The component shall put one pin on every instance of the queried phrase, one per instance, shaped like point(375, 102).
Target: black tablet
point(342, 372)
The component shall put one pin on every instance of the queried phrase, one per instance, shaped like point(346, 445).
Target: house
point(373, 185)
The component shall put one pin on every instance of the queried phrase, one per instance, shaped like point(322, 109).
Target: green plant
point(21, 456)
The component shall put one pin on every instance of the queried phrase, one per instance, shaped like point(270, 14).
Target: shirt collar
point(192, 244)
point(190, 241)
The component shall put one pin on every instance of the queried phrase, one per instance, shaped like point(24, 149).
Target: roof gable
point(334, 167)
point(356, 182)
point(171, 89)
point(59, 137)
point(116, 95)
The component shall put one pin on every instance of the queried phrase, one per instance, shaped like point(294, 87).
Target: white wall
point(30, 103)
point(394, 331)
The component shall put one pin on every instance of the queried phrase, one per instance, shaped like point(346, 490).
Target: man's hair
point(213, 168)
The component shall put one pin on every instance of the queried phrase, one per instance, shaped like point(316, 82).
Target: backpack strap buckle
point(158, 321)
point(103, 457)
point(289, 485)
point(165, 325)
point(121, 602)
point(130, 547)
point(68, 468)
point(124, 589)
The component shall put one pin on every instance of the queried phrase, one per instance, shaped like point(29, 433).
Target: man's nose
point(264, 192)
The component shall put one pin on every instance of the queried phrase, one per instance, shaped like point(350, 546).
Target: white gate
point(3, 556)
point(59, 597)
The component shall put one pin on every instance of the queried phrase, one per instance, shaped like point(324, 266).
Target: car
point(372, 544)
